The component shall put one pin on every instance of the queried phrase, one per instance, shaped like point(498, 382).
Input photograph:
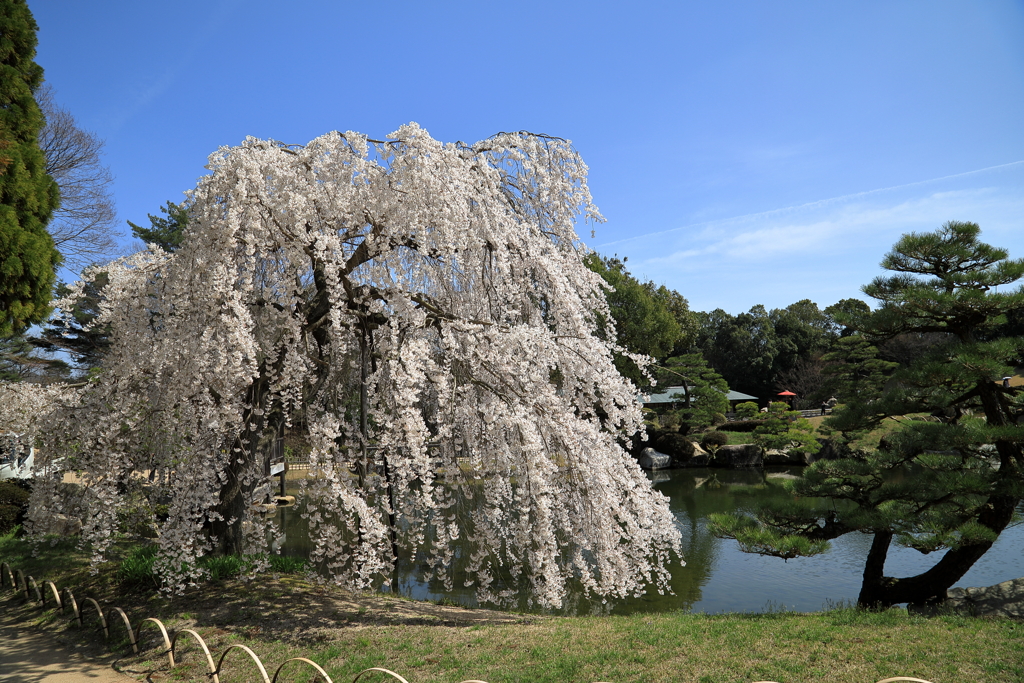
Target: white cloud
point(780, 256)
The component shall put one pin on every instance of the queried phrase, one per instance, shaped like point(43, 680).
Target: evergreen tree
point(950, 484)
point(844, 314)
point(28, 196)
point(167, 233)
point(74, 333)
point(21, 362)
point(855, 372)
point(642, 322)
point(786, 429)
point(704, 391)
point(742, 348)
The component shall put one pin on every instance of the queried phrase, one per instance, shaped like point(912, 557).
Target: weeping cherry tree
point(424, 311)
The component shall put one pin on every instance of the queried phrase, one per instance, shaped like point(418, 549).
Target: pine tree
point(642, 321)
point(950, 482)
point(167, 233)
point(28, 196)
point(703, 394)
point(21, 362)
point(785, 428)
point(76, 333)
point(855, 372)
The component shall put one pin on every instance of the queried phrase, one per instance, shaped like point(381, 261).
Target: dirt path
point(286, 617)
point(29, 656)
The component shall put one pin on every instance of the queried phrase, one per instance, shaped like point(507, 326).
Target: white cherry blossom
point(420, 311)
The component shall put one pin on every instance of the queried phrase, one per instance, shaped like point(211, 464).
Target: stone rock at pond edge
point(651, 459)
point(700, 458)
point(675, 445)
point(774, 456)
point(1004, 599)
point(742, 455)
point(830, 450)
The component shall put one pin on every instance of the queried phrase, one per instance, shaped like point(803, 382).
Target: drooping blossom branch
point(421, 311)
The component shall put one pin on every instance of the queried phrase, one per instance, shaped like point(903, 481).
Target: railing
point(64, 599)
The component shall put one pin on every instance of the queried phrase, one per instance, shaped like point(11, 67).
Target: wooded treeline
point(758, 352)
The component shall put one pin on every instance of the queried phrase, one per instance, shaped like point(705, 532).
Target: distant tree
point(20, 361)
point(76, 332)
point(807, 379)
point(907, 347)
point(679, 307)
point(82, 227)
point(168, 232)
point(844, 315)
point(742, 348)
point(802, 332)
point(703, 394)
point(949, 486)
point(642, 323)
point(854, 372)
point(28, 196)
point(761, 351)
point(786, 429)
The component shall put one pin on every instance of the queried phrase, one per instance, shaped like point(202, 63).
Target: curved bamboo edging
point(64, 597)
point(56, 595)
point(99, 613)
point(377, 668)
point(39, 596)
point(313, 664)
point(3, 566)
point(202, 644)
point(163, 633)
point(74, 604)
point(252, 655)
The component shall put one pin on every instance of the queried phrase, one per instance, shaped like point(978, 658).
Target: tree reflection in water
point(717, 577)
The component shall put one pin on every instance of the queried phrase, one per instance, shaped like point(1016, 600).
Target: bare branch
point(82, 227)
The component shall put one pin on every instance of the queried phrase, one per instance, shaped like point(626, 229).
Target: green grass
point(129, 565)
point(136, 569)
point(739, 438)
point(843, 645)
point(287, 618)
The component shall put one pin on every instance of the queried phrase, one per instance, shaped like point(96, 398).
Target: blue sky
point(742, 152)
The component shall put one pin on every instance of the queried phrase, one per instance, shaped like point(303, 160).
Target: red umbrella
point(786, 393)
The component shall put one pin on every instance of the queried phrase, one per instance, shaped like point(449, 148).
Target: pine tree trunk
point(879, 591)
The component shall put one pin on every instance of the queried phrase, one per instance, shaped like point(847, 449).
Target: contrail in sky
point(809, 205)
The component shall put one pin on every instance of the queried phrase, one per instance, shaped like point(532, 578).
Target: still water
point(718, 577)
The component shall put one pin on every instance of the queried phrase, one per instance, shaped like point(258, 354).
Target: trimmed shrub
point(712, 440)
point(741, 426)
point(747, 410)
point(676, 445)
point(718, 419)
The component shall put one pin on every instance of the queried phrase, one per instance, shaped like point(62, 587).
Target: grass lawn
point(282, 617)
point(738, 438)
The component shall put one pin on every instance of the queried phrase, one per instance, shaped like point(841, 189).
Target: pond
point(718, 577)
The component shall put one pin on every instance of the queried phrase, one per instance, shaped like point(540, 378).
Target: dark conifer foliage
point(948, 480)
point(28, 196)
point(75, 334)
point(167, 233)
